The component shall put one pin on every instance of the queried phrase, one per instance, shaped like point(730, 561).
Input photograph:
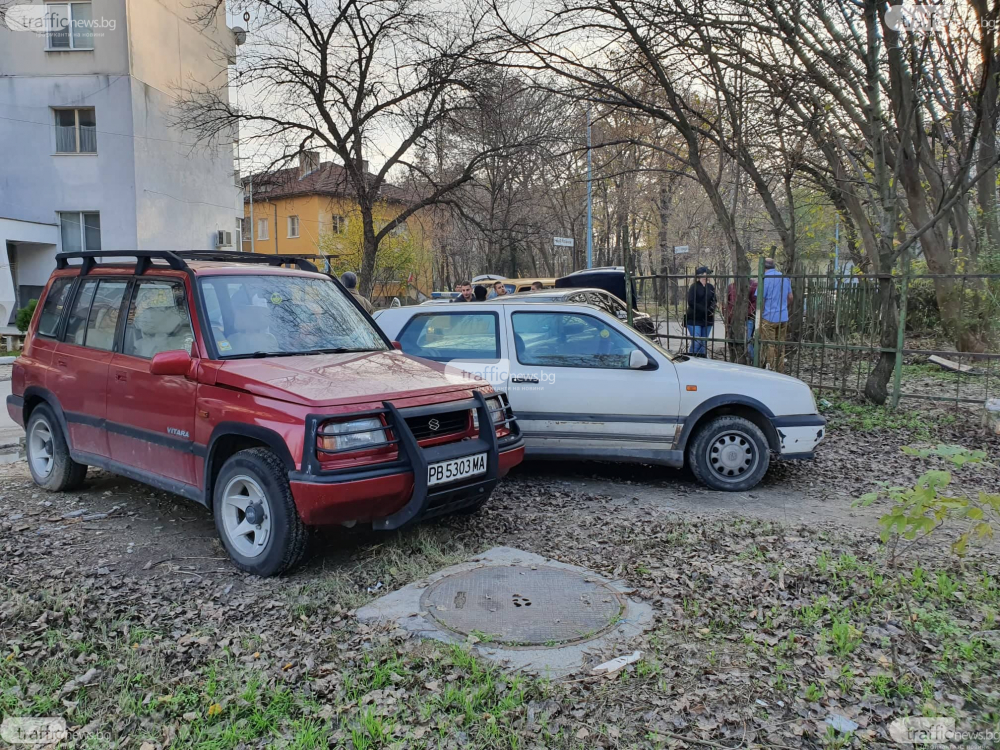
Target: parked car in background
point(609, 278)
point(524, 285)
point(598, 298)
point(586, 386)
point(265, 393)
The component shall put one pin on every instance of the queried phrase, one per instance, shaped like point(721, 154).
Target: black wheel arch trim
point(692, 420)
point(268, 437)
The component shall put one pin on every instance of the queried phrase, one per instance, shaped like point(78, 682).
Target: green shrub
point(23, 318)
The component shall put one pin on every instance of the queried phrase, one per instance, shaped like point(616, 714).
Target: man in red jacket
point(750, 317)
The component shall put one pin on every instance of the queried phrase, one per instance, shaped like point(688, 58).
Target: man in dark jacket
point(700, 316)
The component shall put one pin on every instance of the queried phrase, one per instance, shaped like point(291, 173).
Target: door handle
point(121, 376)
point(61, 362)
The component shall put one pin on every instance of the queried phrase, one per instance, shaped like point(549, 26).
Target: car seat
point(251, 335)
point(162, 329)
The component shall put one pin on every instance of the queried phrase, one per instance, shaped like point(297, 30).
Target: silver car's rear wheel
point(246, 516)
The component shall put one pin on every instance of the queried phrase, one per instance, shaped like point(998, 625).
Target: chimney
point(308, 162)
point(364, 166)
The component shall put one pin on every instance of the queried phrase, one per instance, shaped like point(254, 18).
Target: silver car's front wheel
point(246, 516)
point(729, 453)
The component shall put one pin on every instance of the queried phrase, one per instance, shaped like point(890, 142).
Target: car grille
point(447, 423)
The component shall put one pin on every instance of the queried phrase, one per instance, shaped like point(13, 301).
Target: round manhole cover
point(523, 606)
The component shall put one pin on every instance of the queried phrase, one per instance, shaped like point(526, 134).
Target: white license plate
point(458, 468)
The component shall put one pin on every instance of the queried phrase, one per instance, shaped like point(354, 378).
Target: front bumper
point(395, 494)
point(798, 435)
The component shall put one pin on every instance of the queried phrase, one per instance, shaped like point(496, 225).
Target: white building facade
point(90, 157)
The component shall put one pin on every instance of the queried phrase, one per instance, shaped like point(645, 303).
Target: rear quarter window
point(443, 337)
point(52, 309)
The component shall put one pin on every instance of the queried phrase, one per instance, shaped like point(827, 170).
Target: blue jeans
point(750, 329)
point(699, 334)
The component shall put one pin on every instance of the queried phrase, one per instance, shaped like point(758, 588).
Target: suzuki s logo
point(434, 425)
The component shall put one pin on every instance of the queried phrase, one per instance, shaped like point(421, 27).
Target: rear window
point(55, 301)
point(443, 337)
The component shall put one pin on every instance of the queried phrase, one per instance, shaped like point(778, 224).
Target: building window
point(338, 224)
point(69, 26)
point(76, 131)
point(244, 225)
point(81, 230)
point(293, 226)
point(261, 229)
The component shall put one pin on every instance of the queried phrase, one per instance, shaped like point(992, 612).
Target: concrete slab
point(404, 608)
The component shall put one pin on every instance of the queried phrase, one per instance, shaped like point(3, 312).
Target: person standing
point(777, 301)
point(464, 289)
point(350, 280)
point(700, 316)
point(751, 317)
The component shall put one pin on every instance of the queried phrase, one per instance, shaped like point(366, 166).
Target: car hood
point(341, 379)
point(781, 394)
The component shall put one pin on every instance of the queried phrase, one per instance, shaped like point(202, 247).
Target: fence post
point(897, 372)
point(760, 311)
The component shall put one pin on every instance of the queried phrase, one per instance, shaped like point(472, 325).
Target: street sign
point(562, 241)
point(678, 249)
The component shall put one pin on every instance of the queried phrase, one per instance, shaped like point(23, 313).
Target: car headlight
point(358, 434)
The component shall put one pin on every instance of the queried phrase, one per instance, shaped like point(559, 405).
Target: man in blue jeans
point(777, 300)
point(700, 316)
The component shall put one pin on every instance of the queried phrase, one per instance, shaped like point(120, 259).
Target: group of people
point(775, 299)
point(478, 293)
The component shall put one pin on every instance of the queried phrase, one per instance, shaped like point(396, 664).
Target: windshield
point(279, 315)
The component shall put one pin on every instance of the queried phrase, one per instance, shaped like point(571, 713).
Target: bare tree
point(367, 80)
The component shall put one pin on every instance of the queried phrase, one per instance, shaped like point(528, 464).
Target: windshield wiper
point(338, 350)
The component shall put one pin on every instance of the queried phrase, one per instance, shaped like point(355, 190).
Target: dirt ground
point(120, 612)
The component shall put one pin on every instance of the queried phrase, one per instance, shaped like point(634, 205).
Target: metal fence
point(833, 337)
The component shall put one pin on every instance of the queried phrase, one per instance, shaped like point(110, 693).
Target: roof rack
point(176, 259)
point(144, 259)
point(238, 257)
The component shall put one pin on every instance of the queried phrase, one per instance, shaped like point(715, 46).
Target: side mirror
point(397, 345)
point(637, 360)
point(177, 362)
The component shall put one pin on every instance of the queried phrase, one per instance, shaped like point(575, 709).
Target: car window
point(157, 320)
point(104, 310)
point(569, 340)
point(76, 327)
point(55, 301)
point(447, 336)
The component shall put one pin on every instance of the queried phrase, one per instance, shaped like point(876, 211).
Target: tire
point(730, 454)
point(49, 461)
point(278, 542)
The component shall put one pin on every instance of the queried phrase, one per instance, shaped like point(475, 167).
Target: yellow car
point(524, 285)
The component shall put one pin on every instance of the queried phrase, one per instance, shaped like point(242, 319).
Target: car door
point(466, 342)
point(574, 393)
point(151, 417)
point(79, 371)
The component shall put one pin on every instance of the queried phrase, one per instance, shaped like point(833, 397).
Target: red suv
point(263, 392)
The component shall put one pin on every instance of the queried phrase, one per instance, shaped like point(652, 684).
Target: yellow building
point(310, 209)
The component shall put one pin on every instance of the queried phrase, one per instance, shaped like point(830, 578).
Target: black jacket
point(701, 305)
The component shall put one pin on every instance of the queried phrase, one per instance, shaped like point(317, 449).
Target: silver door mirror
point(637, 360)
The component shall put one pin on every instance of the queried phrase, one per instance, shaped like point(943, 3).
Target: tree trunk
point(369, 253)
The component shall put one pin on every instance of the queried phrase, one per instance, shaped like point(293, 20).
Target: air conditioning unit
point(223, 238)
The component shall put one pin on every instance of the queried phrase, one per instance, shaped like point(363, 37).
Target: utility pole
point(590, 201)
point(253, 248)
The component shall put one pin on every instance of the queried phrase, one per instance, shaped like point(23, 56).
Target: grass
point(868, 417)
